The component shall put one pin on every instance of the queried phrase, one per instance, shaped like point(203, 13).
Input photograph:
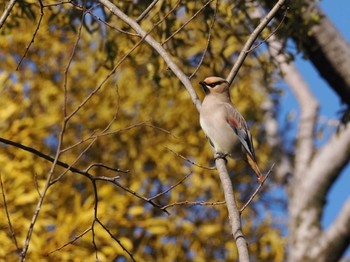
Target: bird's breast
point(214, 124)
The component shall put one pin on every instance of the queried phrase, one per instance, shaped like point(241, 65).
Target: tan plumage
point(224, 126)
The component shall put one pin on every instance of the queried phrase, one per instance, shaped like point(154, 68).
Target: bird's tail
point(255, 167)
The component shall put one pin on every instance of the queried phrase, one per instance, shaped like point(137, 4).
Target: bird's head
point(214, 84)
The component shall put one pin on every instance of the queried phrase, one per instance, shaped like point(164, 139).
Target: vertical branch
point(233, 211)
point(8, 215)
point(58, 152)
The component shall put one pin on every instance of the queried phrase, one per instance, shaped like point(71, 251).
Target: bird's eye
point(216, 83)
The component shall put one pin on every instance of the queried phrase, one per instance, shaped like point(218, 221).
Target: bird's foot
point(221, 156)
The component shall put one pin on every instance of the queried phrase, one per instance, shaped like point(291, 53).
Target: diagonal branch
point(233, 211)
point(6, 12)
point(253, 36)
point(157, 47)
point(327, 164)
point(336, 239)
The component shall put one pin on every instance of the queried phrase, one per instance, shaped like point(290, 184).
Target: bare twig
point(194, 203)
point(243, 54)
point(147, 10)
point(36, 184)
point(171, 187)
point(139, 196)
point(58, 149)
point(156, 46)
point(208, 39)
point(6, 12)
point(116, 239)
point(8, 215)
point(106, 167)
point(70, 242)
point(186, 23)
point(34, 34)
point(190, 161)
point(257, 190)
point(144, 37)
point(272, 33)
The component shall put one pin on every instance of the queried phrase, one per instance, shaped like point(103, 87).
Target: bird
point(223, 125)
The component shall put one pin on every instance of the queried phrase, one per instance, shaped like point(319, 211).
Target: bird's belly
point(221, 136)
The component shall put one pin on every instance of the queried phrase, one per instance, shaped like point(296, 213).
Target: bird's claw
point(221, 156)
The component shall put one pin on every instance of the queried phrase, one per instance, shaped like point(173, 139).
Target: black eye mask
point(216, 83)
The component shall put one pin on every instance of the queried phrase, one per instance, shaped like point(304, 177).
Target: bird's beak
point(205, 88)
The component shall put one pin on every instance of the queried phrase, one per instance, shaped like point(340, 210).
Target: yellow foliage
point(130, 119)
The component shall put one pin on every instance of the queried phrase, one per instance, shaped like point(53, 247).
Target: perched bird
point(223, 125)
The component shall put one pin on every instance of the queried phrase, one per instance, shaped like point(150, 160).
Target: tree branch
point(233, 211)
point(157, 47)
point(254, 35)
point(6, 12)
point(327, 164)
point(336, 239)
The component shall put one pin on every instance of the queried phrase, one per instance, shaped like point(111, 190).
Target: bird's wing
point(239, 126)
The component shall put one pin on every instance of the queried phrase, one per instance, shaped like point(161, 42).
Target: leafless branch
point(208, 39)
point(171, 187)
point(58, 149)
point(70, 242)
point(6, 12)
point(256, 191)
point(190, 161)
point(34, 34)
point(194, 203)
point(186, 23)
point(147, 10)
point(116, 239)
point(8, 215)
point(334, 155)
point(273, 31)
point(253, 36)
point(233, 212)
point(157, 47)
point(336, 239)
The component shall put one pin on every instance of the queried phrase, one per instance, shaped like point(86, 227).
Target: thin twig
point(194, 203)
point(147, 10)
point(106, 167)
point(208, 39)
point(70, 242)
point(58, 149)
point(116, 239)
point(139, 196)
point(157, 47)
point(34, 35)
point(257, 190)
point(271, 34)
point(116, 66)
point(8, 215)
point(186, 23)
point(171, 187)
point(36, 184)
point(190, 161)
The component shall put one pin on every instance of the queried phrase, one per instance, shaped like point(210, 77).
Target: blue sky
point(338, 11)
